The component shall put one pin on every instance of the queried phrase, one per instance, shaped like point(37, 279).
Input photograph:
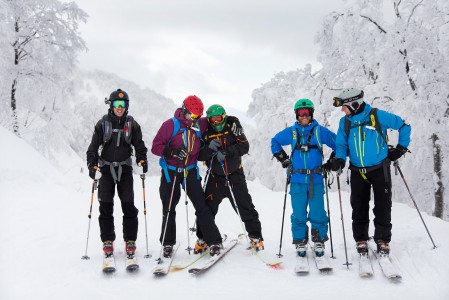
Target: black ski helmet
point(119, 95)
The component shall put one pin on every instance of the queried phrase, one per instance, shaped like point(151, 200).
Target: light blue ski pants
point(316, 213)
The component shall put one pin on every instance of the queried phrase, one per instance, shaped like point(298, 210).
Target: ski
point(108, 263)
point(385, 263)
point(365, 267)
point(196, 257)
point(131, 263)
point(214, 259)
point(275, 264)
point(164, 263)
point(302, 264)
point(322, 263)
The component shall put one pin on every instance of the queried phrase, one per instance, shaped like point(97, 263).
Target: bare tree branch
point(375, 23)
point(413, 11)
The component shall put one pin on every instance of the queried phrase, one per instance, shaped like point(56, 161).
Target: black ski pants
point(360, 198)
point(217, 189)
point(205, 218)
point(106, 192)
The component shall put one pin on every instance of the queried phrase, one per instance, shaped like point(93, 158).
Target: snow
point(43, 229)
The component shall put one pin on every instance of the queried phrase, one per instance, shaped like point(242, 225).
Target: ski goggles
point(215, 119)
point(340, 101)
point(193, 116)
point(303, 112)
point(118, 103)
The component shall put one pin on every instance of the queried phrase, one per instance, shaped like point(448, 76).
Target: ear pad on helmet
point(355, 105)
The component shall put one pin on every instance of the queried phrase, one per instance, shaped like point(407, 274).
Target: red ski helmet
point(193, 105)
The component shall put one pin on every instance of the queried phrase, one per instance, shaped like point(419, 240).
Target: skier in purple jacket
point(178, 143)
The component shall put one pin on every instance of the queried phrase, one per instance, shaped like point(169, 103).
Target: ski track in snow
point(43, 229)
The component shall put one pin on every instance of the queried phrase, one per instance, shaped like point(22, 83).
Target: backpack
point(106, 125)
point(373, 122)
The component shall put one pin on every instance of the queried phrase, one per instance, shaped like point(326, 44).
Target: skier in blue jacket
point(362, 135)
point(306, 138)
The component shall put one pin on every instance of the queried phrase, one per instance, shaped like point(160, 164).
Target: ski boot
point(130, 249)
point(200, 246)
point(108, 248)
point(362, 248)
point(257, 243)
point(383, 248)
point(319, 249)
point(168, 251)
point(301, 249)
point(214, 249)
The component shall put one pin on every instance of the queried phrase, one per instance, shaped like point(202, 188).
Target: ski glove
point(179, 153)
point(214, 145)
point(144, 165)
point(282, 157)
point(94, 172)
point(396, 153)
point(328, 165)
point(337, 164)
point(221, 155)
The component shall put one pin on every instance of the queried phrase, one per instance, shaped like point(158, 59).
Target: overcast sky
point(218, 50)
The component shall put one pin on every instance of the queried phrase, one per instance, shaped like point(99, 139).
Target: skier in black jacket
point(116, 132)
point(225, 144)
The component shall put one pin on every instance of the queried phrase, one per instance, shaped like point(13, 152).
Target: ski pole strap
point(309, 172)
point(113, 165)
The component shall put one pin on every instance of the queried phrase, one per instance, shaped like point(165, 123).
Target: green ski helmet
point(304, 104)
point(216, 116)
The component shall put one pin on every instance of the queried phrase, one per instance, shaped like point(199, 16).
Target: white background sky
point(218, 50)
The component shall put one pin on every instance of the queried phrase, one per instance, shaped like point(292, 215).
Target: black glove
point(337, 164)
point(328, 165)
point(179, 153)
point(221, 155)
point(144, 164)
point(93, 170)
point(395, 153)
point(282, 157)
point(214, 145)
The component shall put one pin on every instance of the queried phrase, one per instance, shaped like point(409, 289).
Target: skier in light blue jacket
point(362, 135)
point(306, 138)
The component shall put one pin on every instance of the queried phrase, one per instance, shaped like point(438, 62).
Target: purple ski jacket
point(163, 136)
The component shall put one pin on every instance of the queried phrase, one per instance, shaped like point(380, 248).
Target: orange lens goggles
point(216, 119)
point(194, 117)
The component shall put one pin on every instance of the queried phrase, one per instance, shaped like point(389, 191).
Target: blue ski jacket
point(298, 135)
point(364, 145)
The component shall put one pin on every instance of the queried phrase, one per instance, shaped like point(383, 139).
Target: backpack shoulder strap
point(294, 137)
point(128, 129)
point(107, 128)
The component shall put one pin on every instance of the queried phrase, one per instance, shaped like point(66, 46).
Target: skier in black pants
point(226, 143)
point(116, 132)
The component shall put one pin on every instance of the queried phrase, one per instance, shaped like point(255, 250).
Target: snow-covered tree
point(43, 43)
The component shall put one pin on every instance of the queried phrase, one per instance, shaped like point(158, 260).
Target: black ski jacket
point(110, 152)
point(233, 142)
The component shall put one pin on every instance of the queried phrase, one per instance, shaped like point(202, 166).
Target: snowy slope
point(43, 227)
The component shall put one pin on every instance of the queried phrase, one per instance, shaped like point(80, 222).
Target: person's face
point(304, 117)
point(346, 110)
point(118, 107)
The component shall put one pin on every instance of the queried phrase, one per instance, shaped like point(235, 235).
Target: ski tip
point(132, 268)
point(275, 266)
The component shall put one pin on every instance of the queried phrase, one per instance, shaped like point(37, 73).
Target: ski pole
point(342, 221)
point(206, 177)
point(145, 213)
point(187, 211)
point(396, 164)
point(329, 213)
point(234, 202)
point(283, 210)
point(168, 213)
point(94, 187)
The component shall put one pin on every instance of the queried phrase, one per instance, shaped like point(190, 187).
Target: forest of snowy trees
point(396, 51)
